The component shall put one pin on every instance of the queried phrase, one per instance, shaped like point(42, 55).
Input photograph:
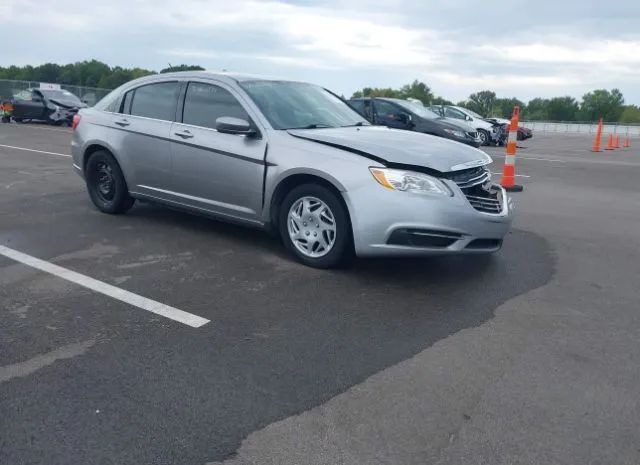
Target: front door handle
point(122, 122)
point(186, 134)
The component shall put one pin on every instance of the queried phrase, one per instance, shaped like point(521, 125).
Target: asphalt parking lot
point(528, 356)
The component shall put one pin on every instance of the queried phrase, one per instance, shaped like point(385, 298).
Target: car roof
point(390, 99)
point(224, 76)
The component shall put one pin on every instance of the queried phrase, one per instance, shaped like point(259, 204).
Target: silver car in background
point(290, 157)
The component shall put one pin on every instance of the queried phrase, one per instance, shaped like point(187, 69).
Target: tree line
point(593, 105)
point(91, 73)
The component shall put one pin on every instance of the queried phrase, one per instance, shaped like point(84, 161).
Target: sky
point(524, 49)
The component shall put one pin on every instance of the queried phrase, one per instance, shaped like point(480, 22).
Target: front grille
point(476, 185)
point(483, 200)
point(469, 177)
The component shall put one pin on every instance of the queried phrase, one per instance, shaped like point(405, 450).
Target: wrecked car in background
point(55, 106)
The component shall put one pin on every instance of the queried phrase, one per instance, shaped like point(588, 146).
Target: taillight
point(75, 122)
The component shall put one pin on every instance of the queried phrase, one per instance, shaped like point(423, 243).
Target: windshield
point(59, 95)
point(297, 105)
point(417, 108)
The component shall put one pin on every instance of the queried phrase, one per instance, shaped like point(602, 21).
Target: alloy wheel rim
point(105, 182)
point(483, 137)
point(312, 227)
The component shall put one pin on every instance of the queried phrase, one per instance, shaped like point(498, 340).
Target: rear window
point(156, 101)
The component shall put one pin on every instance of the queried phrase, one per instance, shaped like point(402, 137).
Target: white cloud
point(346, 45)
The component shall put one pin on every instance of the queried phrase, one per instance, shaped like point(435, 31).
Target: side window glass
point(386, 109)
point(111, 107)
point(156, 101)
point(358, 105)
point(126, 103)
point(204, 103)
point(453, 113)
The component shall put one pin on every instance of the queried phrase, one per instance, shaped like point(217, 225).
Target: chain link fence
point(581, 127)
point(89, 95)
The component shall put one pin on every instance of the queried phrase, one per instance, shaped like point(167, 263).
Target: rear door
point(140, 136)
point(221, 173)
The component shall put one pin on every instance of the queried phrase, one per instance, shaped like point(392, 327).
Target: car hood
point(498, 120)
point(68, 103)
point(395, 146)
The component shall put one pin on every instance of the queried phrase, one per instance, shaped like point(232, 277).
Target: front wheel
point(315, 227)
point(106, 184)
point(484, 137)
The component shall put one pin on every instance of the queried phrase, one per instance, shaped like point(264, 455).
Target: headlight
point(456, 133)
point(410, 181)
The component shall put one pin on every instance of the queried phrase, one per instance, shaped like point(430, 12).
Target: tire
point(322, 206)
point(484, 137)
point(106, 184)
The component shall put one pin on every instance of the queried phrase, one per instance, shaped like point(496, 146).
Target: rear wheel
point(106, 184)
point(314, 226)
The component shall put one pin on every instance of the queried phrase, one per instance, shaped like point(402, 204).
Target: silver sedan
point(290, 157)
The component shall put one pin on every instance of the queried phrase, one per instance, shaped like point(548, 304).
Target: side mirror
point(467, 118)
point(230, 125)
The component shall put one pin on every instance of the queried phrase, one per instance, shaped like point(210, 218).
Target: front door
point(221, 173)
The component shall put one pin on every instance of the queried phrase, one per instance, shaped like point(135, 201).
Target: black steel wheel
point(106, 184)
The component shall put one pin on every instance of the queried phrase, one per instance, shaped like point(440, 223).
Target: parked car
point(290, 157)
point(54, 106)
point(473, 119)
point(413, 116)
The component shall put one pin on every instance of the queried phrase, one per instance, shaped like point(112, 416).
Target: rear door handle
point(122, 122)
point(186, 134)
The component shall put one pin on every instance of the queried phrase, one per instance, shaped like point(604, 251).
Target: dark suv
point(413, 116)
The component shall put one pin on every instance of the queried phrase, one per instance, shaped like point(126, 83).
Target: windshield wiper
point(359, 123)
point(314, 126)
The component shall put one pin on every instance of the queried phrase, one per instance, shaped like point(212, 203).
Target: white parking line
point(542, 159)
point(34, 150)
point(26, 126)
point(158, 308)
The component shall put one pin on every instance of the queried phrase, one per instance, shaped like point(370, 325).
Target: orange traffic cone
point(598, 140)
point(610, 145)
point(617, 142)
point(509, 169)
point(627, 142)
